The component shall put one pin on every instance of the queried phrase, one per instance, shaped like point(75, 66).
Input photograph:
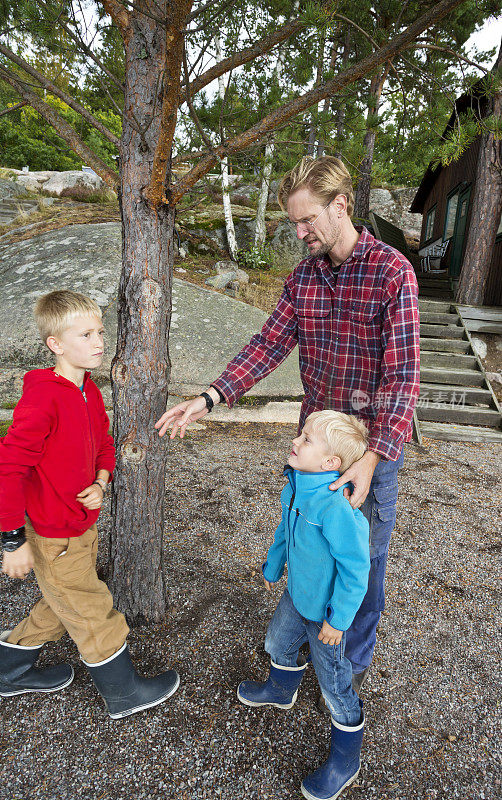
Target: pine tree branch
point(354, 73)
point(248, 54)
point(205, 138)
point(64, 96)
point(84, 47)
point(62, 128)
point(13, 108)
point(203, 8)
point(441, 49)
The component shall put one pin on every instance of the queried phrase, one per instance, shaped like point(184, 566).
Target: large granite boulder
point(393, 204)
point(76, 184)
point(207, 328)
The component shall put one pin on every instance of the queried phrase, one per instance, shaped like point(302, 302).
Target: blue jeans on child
point(379, 508)
point(287, 631)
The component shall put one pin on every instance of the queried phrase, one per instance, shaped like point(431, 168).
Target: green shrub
point(260, 257)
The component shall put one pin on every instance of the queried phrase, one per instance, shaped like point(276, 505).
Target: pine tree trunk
point(260, 228)
point(340, 109)
point(485, 217)
point(141, 368)
point(362, 196)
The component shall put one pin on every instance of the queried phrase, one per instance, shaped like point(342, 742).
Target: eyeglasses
point(310, 226)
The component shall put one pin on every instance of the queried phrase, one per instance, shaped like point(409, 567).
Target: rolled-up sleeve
point(266, 350)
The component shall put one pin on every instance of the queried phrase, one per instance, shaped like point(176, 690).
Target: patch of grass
point(262, 401)
point(264, 289)
point(58, 215)
point(4, 427)
point(8, 404)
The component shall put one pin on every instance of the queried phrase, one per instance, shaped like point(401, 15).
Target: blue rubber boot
point(18, 675)
point(342, 766)
point(279, 690)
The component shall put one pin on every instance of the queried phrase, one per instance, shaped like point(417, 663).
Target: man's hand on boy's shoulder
point(329, 635)
point(91, 497)
point(360, 475)
point(18, 563)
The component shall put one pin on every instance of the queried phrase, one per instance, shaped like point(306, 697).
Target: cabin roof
point(474, 99)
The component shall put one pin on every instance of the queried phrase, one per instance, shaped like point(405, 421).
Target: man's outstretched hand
point(360, 475)
point(178, 417)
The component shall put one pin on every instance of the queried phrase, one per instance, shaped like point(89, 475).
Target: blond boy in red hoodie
point(55, 465)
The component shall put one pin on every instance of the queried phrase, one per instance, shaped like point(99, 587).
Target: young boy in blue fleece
point(325, 543)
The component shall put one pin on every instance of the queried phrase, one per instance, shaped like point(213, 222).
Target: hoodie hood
point(36, 377)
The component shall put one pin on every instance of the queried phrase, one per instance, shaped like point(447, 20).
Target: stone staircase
point(456, 402)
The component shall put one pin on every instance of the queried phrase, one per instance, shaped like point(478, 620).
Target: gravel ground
point(431, 697)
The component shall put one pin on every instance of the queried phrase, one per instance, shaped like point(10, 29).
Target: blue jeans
point(287, 631)
point(379, 508)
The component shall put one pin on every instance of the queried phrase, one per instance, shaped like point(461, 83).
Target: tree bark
point(485, 217)
point(362, 195)
point(340, 110)
point(141, 366)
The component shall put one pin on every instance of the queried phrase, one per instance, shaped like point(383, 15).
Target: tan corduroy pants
point(73, 598)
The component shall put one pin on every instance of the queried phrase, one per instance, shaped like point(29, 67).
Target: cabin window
point(451, 213)
point(429, 225)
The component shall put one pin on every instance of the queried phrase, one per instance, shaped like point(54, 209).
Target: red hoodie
point(57, 442)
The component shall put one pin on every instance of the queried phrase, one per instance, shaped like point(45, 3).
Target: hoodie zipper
point(82, 392)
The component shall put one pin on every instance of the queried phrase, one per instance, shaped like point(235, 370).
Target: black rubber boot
point(18, 675)
point(124, 691)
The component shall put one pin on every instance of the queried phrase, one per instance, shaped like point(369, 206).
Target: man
point(352, 308)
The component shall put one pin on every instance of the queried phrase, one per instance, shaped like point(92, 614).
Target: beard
point(323, 248)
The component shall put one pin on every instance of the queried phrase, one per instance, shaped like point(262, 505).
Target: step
point(457, 394)
point(427, 283)
point(450, 412)
point(448, 360)
point(441, 318)
point(445, 345)
point(443, 331)
point(426, 292)
point(454, 377)
point(459, 433)
point(437, 306)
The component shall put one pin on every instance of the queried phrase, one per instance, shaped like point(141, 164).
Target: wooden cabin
point(444, 199)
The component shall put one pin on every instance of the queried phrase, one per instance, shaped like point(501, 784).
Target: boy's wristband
point(13, 540)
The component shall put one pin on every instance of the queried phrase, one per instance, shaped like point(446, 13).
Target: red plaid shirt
point(358, 337)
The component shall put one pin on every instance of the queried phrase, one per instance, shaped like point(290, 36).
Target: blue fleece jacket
point(326, 545)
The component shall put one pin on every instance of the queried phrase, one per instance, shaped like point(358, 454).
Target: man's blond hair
point(55, 311)
point(325, 177)
point(346, 436)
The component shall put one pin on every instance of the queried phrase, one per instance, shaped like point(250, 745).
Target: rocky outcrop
point(76, 184)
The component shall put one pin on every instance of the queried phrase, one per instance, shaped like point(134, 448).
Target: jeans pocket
point(383, 517)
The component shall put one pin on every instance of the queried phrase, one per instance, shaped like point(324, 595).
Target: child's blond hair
point(345, 435)
point(54, 311)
